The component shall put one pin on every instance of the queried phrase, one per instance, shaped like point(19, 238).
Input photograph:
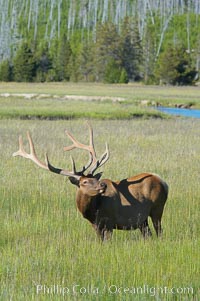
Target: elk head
point(88, 183)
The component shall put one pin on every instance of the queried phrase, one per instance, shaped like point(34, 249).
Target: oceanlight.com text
point(149, 290)
point(113, 289)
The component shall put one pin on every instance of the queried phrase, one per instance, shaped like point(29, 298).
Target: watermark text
point(113, 289)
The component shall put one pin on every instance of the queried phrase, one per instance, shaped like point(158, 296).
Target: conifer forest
point(111, 41)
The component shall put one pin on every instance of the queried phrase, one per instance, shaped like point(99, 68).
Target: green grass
point(12, 108)
point(132, 92)
point(44, 240)
point(97, 101)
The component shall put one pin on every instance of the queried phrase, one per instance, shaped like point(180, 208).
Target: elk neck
point(87, 205)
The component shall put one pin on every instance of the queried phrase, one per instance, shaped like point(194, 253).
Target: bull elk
point(108, 205)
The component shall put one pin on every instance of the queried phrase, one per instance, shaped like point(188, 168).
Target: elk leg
point(106, 234)
point(145, 230)
point(156, 220)
point(103, 233)
point(157, 225)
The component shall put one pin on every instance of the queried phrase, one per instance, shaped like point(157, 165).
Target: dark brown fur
point(122, 205)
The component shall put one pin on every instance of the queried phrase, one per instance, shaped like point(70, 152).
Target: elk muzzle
point(103, 187)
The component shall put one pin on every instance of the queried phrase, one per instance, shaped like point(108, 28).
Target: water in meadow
point(180, 112)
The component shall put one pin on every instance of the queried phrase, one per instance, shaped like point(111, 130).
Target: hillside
point(157, 23)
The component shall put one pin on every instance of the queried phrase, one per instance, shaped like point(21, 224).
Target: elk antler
point(103, 159)
point(93, 162)
point(33, 157)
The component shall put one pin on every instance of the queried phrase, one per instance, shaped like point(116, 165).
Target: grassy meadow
point(86, 100)
point(166, 95)
point(49, 252)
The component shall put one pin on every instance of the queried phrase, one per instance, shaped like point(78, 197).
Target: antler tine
point(91, 139)
point(73, 165)
point(32, 156)
point(62, 172)
point(32, 148)
point(21, 151)
point(84, 167)
point(77, 144)
point(103, 159)
point(90, 148)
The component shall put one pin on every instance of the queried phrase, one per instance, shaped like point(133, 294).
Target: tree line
point(118, 54)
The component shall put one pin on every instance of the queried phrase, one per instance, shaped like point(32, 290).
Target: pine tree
point(44, 62)
point(175, 67)
point(74, 67)
point(5, 71)
point(62, 59)
point(24, 64)
point(107, 50)
point(86, 59)
point(149, 54)
point(112, 72)
point(123, 77)
point(131, 49)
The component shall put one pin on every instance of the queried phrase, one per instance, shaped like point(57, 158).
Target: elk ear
point(74, 181)
point(98, 175)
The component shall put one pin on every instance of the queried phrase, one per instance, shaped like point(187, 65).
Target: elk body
point(109, 205)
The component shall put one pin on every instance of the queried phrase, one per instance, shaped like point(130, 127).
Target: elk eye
point(85, 182)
